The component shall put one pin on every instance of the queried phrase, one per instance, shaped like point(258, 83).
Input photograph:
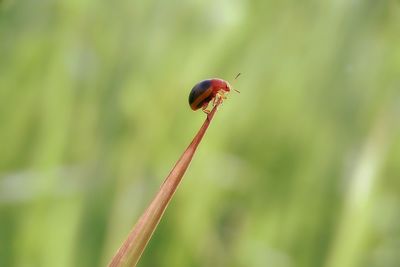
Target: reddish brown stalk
point(131, 250)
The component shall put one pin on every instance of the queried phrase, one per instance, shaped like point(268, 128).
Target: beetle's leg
point(215, 100)
point(219, 98)
point(204, 108)
point(222, 94)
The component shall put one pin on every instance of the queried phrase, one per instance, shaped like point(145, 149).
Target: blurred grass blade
point(131, 250)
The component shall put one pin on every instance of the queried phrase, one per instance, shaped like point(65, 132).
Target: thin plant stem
point(131, 250)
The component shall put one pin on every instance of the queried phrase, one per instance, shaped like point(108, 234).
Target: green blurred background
point(300, 169)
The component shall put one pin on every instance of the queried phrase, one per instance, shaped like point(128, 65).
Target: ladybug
point(207, 90)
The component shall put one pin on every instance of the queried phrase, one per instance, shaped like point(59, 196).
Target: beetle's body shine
point(205, 91)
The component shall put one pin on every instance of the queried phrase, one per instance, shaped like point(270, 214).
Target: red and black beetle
point(207, 90)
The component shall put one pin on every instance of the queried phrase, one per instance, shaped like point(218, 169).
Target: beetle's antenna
point(237, 76)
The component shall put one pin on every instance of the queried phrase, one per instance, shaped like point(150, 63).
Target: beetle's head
point(219, 84)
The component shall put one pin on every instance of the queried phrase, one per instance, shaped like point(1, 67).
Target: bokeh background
point(300, 169)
